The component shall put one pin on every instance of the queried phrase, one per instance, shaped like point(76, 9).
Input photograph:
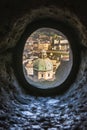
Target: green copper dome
point(43, 64)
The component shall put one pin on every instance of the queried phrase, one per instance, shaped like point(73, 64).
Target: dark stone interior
point(21, 111)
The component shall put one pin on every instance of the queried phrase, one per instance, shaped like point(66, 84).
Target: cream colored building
point(43, 46)
point(29, 68)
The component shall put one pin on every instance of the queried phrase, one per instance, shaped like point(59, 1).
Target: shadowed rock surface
point(21, 111)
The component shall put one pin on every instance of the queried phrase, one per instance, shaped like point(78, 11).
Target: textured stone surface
point(20, 111)
point(39, 113)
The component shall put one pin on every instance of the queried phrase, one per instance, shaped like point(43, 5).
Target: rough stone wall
point(20, 111)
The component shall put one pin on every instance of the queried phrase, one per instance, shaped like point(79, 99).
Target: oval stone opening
point(47, 58)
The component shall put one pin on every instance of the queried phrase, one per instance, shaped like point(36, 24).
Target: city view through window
point(47, 58)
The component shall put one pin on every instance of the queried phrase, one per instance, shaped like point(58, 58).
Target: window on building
point(48, 75)
point(42, 75)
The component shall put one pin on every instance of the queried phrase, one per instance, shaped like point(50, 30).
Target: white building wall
point(45, 75)
point(29, 71)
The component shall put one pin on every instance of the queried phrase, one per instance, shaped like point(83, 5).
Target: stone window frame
point(74, 39)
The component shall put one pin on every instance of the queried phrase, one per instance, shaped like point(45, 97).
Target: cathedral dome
point(43, 64)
